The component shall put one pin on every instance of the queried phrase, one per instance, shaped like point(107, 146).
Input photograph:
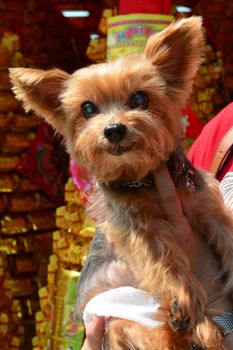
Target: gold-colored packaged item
point(20, 286)
point(5, 121)
point(23, 122)
point(96, 50)
point(22, 264)
point(31, 201)
point(25, 185)
point(10, 246)
point(43, 221)
point(4, 80)
point(10, 41)
point(4, 323)
point(45, 300)
point(15, 142)
point(16, 309)
point(8, 162)
point(3, 203)
point(107, 13)
point(67, 331)
point(4, 57)
point(8, 102)
point(8, 182)
point(20, 202)
point(43, 201)
point(52, 268)
point(15, 343)
point(14, 224)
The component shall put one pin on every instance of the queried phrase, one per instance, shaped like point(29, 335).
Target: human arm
point(197, 250)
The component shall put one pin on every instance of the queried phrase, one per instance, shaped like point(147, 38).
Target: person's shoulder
point(203, 149)
point(228, 111)
point(224, 119)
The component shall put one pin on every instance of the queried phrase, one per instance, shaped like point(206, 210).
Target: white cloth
point(126, 303)
point(226, 187)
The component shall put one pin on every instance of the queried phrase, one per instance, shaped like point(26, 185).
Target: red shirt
point(203, 149)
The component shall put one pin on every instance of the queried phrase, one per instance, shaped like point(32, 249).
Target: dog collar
point(132, 184)
point(182, 172)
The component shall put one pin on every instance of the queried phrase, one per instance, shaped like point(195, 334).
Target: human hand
point(203, 261)
point(94, 334)
point(173, 209)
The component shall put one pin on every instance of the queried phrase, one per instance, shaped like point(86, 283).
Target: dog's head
point(122, 118)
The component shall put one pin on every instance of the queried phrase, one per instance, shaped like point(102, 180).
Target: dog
point(121, 119)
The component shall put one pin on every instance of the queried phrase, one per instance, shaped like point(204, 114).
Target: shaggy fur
point(143, 250)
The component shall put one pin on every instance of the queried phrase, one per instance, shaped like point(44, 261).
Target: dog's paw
point(179, 320)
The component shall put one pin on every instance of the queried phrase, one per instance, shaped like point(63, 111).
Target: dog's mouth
point(118, 150)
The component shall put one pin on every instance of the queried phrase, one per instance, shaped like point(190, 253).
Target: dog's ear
point(177, 53)
point(40, 91)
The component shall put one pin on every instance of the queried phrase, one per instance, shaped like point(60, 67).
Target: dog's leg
point(204, 336)
point(166, 271)
point(176, 320)
point(126, 335)
point(161, 266)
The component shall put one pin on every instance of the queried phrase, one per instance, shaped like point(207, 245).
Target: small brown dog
point(122, 120)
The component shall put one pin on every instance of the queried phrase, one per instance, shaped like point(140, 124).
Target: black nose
point(115, 132)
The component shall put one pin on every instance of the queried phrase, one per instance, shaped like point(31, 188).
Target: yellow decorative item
point(15, 343)
point(107, 13)
point(96, 50)
point(128, 34)
point(67, 331)
point(3, 323)
point(10, 41)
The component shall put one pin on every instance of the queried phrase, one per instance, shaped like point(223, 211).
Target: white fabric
point(226, 187)
point(126, 303)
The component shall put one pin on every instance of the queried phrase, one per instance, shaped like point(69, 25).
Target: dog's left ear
point(40, 92)
point(177, 52)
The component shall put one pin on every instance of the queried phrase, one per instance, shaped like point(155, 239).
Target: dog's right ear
point(177, 53)
point(40, 91)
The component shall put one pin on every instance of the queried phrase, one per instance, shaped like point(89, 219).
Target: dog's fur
point(144, 252)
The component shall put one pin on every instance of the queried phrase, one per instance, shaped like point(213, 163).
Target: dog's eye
point(138, 100)
point(89, 109)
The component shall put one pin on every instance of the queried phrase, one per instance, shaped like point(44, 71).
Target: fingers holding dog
point(94, 334)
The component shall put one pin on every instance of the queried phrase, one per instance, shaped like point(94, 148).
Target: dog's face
point(121, 119)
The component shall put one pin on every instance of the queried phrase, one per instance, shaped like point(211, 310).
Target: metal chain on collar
point(129, 184)
point(136, 184)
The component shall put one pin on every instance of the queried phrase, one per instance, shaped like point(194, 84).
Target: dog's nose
point(115, 132)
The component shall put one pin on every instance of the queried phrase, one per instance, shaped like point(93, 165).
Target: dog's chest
point(131, 210)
